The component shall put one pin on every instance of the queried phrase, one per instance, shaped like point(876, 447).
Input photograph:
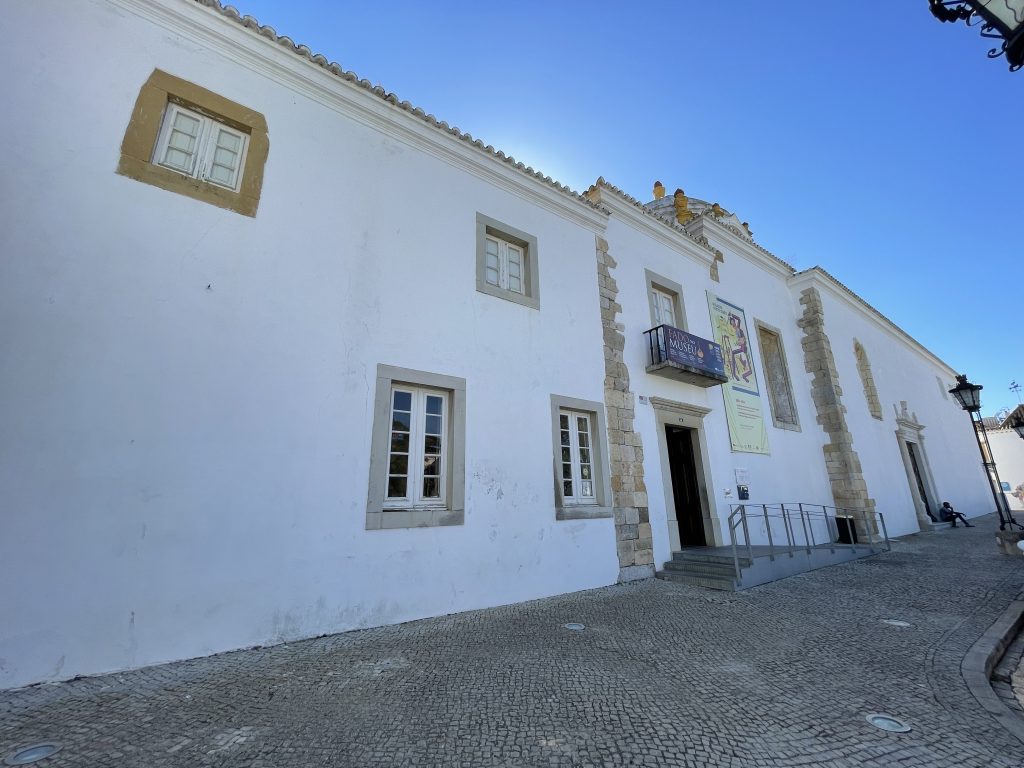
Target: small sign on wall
point(742, 476)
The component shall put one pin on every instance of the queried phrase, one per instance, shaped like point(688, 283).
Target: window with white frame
point(577, 457)
point(416, 471)
point(417, 450)
point(663, 306)
point(582, 477)
point(665, 297)
point(503, 267)
point(201, 147)
point(506, 262)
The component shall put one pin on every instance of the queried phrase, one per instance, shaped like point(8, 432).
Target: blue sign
point(693, 351)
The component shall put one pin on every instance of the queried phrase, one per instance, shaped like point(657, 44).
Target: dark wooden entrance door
point(683, 468)
point(920, 482)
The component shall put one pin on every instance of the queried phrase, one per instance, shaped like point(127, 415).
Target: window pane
point(400, 442)
point(491, 248)
point(586, 488)
point(567, 488)
point(228, 141)
point(582, 424)
point(432, 444)
point(563, 421)
point(565, 437)
point(396, 487)
point(566, 455)
point(222, 175)
point(433, 426)
point(431, 487)
point(400, 421)
point(584, 455)
point(225, 157)
point(178, 159)
point(402, 401)
point(585, 471)
point(399, 464)
point(515, 284)
point(434, 404)
point(492, 275)
point(431, 465)
point(567, 471)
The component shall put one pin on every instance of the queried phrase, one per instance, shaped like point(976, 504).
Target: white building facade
point(286, 357)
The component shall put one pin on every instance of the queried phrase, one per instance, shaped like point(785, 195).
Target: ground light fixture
point(896, 623)
point(33, 753)
point(968, 395)
point(1001, 20)
point(574, 626)
point(887, 722)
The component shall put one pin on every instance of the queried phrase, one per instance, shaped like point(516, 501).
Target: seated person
point(948, 514)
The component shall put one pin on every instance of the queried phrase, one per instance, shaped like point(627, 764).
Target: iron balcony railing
point(791, 527)
point(676, 354)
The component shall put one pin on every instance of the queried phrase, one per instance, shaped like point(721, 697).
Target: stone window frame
point(760, 326)
point(604, 506)
point(530, 297)
point(652, 280)
point(867, 380)
point(379, 517)
point(143, 132)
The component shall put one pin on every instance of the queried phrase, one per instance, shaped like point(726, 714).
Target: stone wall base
point(1006, 542)
point(636, 573)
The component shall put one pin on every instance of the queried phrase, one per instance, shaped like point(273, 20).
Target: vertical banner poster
point(747, 432)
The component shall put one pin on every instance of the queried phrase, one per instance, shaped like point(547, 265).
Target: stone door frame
point(909, 430)
point(675, 414)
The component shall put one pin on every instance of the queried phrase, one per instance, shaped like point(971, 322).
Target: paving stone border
point(982, 659)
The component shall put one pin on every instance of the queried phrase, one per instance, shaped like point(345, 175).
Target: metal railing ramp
point(791, 538)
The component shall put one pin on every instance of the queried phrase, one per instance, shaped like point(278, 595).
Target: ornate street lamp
point(969, 397)
point(999, 19)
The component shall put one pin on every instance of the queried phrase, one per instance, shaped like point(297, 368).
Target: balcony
point(678, 355)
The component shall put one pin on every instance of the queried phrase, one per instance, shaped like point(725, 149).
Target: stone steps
point(701, 569)
point(681, 577)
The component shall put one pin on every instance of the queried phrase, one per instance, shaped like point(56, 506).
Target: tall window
point(416, 453)
point(417, 450)
point(503, 264)
point(776, 375)
point(200, 147)
point(663, 306)
point(867, 380)
point(575, 433)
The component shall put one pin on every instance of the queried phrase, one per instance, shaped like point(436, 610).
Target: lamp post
point(999, 19)
point(969, 397)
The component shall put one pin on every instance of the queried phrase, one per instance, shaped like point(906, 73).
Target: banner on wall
point(747, 431)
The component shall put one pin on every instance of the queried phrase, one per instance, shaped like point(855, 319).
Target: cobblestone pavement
point(663, 675)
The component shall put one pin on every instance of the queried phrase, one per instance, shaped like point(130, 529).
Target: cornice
point(740, 244)
point(245, 41)
point(819, 277)
point(641, 218)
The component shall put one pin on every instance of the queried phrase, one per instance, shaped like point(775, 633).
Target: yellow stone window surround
point(143, 131)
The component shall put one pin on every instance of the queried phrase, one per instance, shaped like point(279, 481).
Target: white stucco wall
point(901, 372)
point(1008, 453)
point(186, 408)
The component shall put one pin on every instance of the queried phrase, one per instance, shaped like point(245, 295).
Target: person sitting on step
point(948, 514)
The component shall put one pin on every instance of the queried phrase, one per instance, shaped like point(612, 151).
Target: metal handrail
point(860, 523)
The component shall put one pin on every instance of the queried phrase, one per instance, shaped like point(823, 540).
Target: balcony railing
point(676, 354)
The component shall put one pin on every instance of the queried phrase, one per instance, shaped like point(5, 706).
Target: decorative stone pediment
point(907, 420)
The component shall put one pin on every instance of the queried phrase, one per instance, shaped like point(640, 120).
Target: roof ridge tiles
point(267, 31)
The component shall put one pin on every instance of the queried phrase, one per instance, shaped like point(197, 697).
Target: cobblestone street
point(663, 674)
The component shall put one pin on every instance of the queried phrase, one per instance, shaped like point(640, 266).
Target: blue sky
point(868, 137)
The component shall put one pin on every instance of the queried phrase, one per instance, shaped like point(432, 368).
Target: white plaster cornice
point(259, 48)
point(707, 225)
point(820, 278)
